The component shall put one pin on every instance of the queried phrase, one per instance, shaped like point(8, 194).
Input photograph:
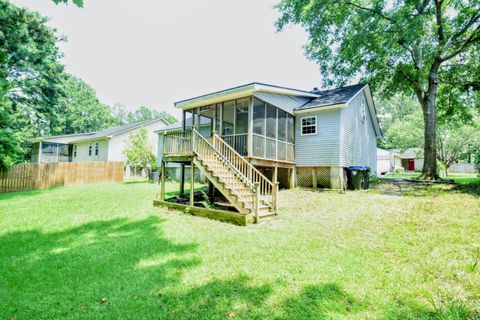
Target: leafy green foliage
point(82, 112)
point(122, 116)
point(29, 80)
point(401, 121)
point(78, 3)
point(139, 152)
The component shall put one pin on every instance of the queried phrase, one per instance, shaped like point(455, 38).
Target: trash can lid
point(358, 168)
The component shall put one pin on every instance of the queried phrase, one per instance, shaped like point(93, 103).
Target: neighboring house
point(279, 135)
point(106, 145)
point(410, 160)
point(387, 161)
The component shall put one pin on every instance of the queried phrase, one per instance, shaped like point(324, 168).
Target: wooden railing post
point(162, 186)
point(257, 201)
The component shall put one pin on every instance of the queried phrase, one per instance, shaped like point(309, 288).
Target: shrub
point(399, 170)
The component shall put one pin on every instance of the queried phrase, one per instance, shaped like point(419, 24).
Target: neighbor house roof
point(332, 97)
point(118, 130)
point(416, 153)
point(66, 138)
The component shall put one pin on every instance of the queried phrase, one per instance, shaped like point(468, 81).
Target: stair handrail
point(196, 134)
point(247, 170)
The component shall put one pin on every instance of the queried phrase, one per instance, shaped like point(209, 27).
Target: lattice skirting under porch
point(321, 177)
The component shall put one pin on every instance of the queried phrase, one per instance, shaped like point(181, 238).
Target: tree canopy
point(412, 47)
point(37, 98)
point(29, 80)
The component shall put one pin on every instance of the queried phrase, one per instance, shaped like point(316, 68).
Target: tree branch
point(438, 16)
point(372, 10)
point(470, 23)
point(474, 37)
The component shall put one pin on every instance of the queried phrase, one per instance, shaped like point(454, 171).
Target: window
point(75, 151)
point(241, 116)
point(96, 148)
point(89, 149)
point(218, 117)
point(309, 125)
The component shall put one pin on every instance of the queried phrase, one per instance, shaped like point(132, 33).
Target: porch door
point(411, 164)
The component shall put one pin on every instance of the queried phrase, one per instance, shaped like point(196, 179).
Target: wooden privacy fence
point(46, 175)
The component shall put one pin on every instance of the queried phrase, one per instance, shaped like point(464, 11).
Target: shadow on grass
point(122, 269)
point(66, 274)
point(472, 188)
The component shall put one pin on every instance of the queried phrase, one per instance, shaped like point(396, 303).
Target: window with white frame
point(75, 151)
point(96, 148)
point(90, 149)
point(309, 125)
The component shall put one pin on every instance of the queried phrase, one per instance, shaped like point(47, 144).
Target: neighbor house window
point(89, 149)
point(75, 151)
point(309, 125)
point(96, 148)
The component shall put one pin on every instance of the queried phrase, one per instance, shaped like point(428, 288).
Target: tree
point(78, 3)
point(122, 116)
point(82, 111)
point(29, 81)
point(397, 46)
point(144, 113)
point(454, 142)
point(139, 152)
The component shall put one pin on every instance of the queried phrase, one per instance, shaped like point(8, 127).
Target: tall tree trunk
point(429, 171)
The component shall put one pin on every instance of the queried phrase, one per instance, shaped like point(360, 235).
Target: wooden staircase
point(246, 188)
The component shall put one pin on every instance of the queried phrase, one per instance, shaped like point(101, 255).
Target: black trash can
point(358, 177)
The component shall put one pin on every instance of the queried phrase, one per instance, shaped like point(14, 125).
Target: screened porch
point(254, 128)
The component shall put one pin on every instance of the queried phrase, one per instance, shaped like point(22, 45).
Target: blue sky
point(155, 52)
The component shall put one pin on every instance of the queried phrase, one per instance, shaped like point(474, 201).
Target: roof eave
point(238, 92)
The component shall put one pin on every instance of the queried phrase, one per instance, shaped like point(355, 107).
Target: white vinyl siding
point(357, 135)
point(322, 148)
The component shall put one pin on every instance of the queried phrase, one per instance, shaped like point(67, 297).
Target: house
point(106, 145)
point(410, 160)
point(260, 137)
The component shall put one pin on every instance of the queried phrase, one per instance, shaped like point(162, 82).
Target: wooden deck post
point(314, 178)
point(211, 190)
point(182, 178)
point(275, 174)
point(257, 202)
point(192, 183)
point(275, 196)
point(162, 181)
point(293, 176)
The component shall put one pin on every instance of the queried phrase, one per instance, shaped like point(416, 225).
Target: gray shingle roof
point(333, 96)
point(282, 101)
point(116, 130)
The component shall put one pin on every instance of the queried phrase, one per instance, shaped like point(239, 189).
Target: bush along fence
point(30, 176)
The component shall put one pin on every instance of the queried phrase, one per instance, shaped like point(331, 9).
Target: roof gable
point(334, 96)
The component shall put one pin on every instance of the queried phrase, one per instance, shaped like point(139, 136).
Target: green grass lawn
point(104, 252)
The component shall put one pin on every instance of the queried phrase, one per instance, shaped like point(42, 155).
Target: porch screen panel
point(258, 117)
point(271, 121)
point(282, 125)
point(282, 150)
point(228, 118)
point(241, 116)
point(291, 130)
